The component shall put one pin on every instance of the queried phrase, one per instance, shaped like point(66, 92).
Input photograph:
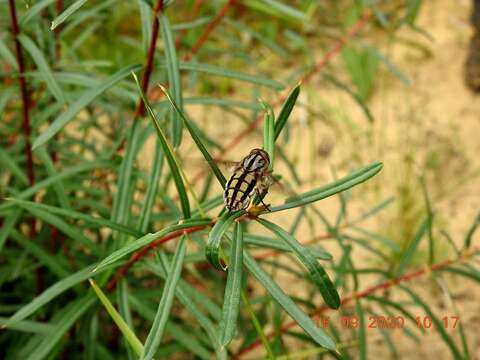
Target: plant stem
point(140, 110)
point(24, 92)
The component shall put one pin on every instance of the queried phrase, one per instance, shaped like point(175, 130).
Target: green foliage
point(99, 204)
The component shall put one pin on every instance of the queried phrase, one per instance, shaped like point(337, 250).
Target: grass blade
point(342, 184)
point(286, 110)
point(318, 334)
point(212, 250)
point(48, 295)
point(163, 312)
point(231, 299)
point(122, 325)
point(173, 74)
point(362, 335)
point(318, 274)
point(84, 100)
point(268, 132)
point(409, 252)
point(147, 239)
point(169, 154)
point(64, 321)
point(68, 11)
point(43, 67)
point(193, 132)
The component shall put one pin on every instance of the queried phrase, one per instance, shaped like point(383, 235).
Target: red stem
point(206, 33)
point(24, 92)
point(140, 110)
point(360, 294)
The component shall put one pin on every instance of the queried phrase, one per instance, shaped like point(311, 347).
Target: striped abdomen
point(240, 189)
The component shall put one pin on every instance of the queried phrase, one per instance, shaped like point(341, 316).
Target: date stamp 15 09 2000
point(389, 322)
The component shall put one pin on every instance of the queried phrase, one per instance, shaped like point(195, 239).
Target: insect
point(250, 177)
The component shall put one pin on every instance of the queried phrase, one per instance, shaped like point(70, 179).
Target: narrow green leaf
point(362, 327)
point(64, 321)
point(33, 10)
point(94, 220)
point(409, 252)
point(286, 110)
point(68, 11)
point(168, 151)
point(231, 298)
point(436, 322)
point(8, 224)
point(173, 74)
point(49, 294)
point(43, 67)
point(86, 98)
point(196, 137)
point(318, 274)
point(28, 326)
point(11, 165)
point(122, 325)
point(278, 9)
point(342, 184)
point(146, 20)
point(471, 231)
point(268, 132)
point(317, 334)
point(218, 71)
point(163, 312)
point(212, 250)
point(147, 239)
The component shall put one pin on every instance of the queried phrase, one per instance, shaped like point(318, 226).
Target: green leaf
point(286, 110)
point(212, 250)
point(8, 224)
point(268, 132)
point(278, 9)
point(168, 151)
point(231, 298)
point(342, 184)
point(11, 165)
point(147, 239)
point(28, 326)
point(69, 11)
point(43, 67)
point(318, 274)
point(218, 71)
point(409, 252)
point(130, 336)
point(85, 99)
point(196, 137)
point(163, 312)
point(49, 294)
point(362, 327)
point(317, 334)
point(471, 231)
point(64, 320)
point(173, 74)
point(94, 220)
point(436, 322)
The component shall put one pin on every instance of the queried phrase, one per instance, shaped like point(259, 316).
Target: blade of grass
point(169, 154)
point(286, 110)
point(268, 132)
point(196, 137)
point(93, 220)
point(129, 335)
point(8, 224)
point(147, 239)
point(342, 184)
point(409, 252)
point(68, 12)
point(65, 319)
point(85, 99)
point(11, 165)
point(163, 312)
point(317, 334)
point(362, 326)
point(173, 75)
point(212, 249)
point(43, 67)
point(231, 298)
point(318, 274)
point(49, 294)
